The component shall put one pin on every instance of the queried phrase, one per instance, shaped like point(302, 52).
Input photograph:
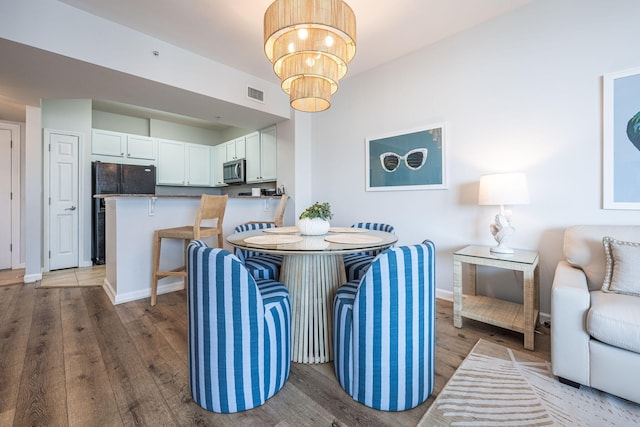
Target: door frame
point(16, 199)
point(46, 149)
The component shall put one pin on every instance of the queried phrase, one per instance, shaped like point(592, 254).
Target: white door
point(63, 193)
point(5, 198)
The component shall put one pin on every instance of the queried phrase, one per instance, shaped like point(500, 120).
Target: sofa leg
point(569, 382)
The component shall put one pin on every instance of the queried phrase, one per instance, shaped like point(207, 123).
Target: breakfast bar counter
point(129, 225)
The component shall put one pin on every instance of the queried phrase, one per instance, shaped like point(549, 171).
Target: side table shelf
point(513, 316)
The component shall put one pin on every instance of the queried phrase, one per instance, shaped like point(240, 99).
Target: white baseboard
point(108, 289)
point(141, 294)
point(448, 296)
point(445, 295)
point(30, 278)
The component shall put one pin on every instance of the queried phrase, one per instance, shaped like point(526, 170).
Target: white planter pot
point(313, 227)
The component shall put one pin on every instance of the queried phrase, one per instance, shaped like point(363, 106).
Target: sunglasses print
point(414, 159)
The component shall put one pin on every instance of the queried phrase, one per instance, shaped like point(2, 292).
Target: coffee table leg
point(312, 281)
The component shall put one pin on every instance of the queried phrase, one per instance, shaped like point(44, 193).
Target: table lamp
point(500, 190)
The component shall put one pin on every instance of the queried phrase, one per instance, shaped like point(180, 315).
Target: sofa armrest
point(570, 302)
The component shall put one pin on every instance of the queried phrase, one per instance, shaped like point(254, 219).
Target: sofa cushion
point(622, 274)
point(583, 248)
point(615, 320)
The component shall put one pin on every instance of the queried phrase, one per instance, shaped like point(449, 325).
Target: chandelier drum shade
point(310, 44)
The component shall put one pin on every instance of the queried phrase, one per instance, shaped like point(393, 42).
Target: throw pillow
point(623, 267)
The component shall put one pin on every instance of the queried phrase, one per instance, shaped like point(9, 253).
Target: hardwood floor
point(11, 277)
point(69, 357)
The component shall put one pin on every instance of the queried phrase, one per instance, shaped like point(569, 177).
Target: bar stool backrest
point(211, 207)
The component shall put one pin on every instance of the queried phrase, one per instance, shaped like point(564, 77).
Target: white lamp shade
point(503, 189)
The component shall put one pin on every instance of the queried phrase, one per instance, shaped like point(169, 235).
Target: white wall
point(33, 194)
point(119, 123)
point(519, 93)
point(92, 39)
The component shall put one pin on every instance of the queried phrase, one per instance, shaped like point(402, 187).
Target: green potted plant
point(314, 220)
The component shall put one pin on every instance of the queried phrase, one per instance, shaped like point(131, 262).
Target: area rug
point(497, 386)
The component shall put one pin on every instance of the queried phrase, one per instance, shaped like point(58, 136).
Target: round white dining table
point(312, 270)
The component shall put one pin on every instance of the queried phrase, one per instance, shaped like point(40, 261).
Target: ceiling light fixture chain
point(310, 43)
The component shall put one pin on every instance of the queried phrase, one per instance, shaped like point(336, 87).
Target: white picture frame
point(620, 149)
point(413, 159)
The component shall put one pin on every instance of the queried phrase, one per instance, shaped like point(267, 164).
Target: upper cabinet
point(236, 149)
point(181, 163)
point(261, 155)
point(198, 165)
point(171, 163)
point(122, 145)
point(141, 147)
point(219, 158)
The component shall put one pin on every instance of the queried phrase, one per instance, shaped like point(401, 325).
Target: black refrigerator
point(113, 178)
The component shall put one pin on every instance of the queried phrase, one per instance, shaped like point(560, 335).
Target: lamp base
point(504, 250)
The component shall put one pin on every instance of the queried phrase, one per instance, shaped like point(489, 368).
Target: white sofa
point(581, 311)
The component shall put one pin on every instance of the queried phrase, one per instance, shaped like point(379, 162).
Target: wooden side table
point(516, 317)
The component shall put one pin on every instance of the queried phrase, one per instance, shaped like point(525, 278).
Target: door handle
point(72, 208)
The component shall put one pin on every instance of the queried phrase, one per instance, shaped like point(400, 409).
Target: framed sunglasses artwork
point(621, 140)
point(409, 160)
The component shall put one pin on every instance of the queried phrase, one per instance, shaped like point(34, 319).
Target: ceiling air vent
point(255, 94)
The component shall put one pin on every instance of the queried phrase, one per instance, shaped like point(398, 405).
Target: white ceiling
point(230, 31)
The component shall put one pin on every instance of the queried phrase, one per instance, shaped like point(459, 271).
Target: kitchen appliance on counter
point(113, 178)
point(234, 172)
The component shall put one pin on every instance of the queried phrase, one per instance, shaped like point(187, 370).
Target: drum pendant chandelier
point(310, 43)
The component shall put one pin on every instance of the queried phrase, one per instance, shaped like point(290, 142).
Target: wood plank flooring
point(11, 277)
point(69, 357)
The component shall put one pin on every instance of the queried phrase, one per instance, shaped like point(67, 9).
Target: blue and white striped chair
point(239, 332)
point(356, 265)
point(384, 330)
point(260, 265)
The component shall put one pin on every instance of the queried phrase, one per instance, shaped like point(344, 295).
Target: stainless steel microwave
point(233, 172)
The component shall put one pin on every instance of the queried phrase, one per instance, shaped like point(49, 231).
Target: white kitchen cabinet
point(181, 163)
point(118, 144)
point(107, 143)
point(236, 149)
point(261, 155)
point(198, 166)
point(140, 147)
point(171, 163)
point(219, 158)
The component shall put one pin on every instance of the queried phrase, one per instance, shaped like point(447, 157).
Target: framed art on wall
point(621, 140)
point(409, 160)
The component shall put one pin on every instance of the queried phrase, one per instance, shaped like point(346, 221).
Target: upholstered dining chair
point(384, 330)
point(239, 332)
point(260, 265)
point(356, 265)
point(211, 208)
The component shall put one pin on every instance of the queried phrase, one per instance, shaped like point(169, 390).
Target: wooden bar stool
point(277, 220)
point(211, 207)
